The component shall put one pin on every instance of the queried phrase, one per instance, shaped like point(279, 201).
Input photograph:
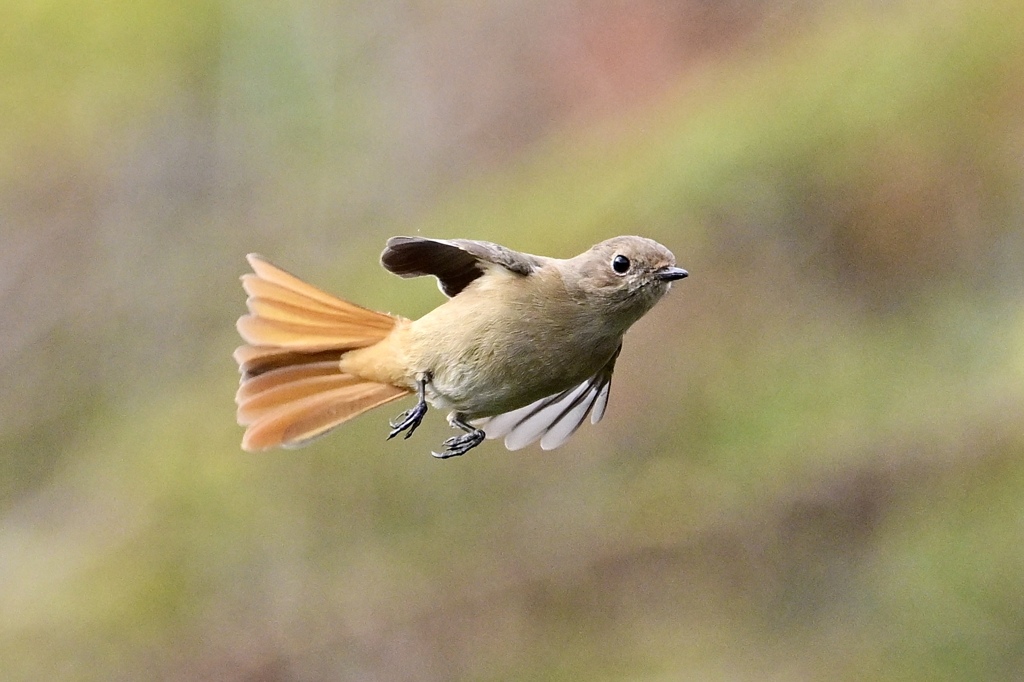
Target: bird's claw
point(408, 420)
point(460, 445)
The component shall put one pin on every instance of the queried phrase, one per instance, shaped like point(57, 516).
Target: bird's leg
point(411, 418)
point(460, 445)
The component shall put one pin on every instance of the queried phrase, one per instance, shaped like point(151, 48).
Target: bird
point(524, 348)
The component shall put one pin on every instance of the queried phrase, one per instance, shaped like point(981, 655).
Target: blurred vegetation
point(813, 462)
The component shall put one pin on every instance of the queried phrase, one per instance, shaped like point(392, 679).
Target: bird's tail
point(293, 389)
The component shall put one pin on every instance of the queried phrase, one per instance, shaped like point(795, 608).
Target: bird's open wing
point(455, 262)
point(555, 418)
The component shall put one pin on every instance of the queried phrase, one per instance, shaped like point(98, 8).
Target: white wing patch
point(553, 419)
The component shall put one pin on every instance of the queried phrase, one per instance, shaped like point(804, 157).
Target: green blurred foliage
point(812, 463)
point(73, 71)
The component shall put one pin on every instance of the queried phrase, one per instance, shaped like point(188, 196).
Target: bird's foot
point(408, 420)
point(460, 445)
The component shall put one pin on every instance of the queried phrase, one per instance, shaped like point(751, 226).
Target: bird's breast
point(491, 354)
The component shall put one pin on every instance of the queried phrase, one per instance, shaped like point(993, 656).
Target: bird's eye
point(620, 264)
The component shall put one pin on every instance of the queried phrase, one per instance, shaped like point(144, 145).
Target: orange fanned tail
point(292, 388)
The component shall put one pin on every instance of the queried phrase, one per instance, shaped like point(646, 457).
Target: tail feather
point(273, 378)
point(326, 411)
point(269, 391)
point(285, 312)
point(269, 272)
point(293, 389)
point(262, 331)
point(292, 414)
point(299, 313)
point(308, 298)
point(256, 360)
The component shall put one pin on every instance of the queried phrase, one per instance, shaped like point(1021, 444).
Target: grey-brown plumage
point(524, 348)
point(455, 262)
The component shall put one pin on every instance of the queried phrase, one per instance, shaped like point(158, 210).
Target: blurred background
point(812, 466)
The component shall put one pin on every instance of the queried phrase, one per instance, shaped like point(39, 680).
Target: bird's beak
point(669, 274)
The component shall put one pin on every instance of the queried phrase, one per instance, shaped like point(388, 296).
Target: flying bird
point(523, 349)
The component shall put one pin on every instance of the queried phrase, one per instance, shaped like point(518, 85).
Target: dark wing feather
point(455, 262)
point(555, 418)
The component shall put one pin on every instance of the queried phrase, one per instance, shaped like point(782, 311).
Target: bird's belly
point(485, 380)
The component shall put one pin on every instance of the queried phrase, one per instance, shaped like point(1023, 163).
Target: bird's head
point(625, 276)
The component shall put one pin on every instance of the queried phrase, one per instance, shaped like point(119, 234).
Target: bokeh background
point(812, 466)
